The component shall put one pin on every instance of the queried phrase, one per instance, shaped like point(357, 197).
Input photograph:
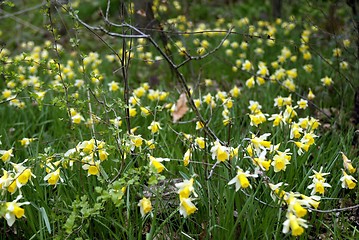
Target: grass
point(89, 172)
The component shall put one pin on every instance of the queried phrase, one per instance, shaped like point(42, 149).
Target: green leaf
point(46, 219)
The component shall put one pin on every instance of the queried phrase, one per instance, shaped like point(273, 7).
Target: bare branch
point(334, 209)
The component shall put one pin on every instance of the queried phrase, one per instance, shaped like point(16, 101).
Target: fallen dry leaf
point(180, 108)
point(141, 12)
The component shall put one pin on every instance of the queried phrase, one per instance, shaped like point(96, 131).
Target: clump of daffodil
point(318, 185)
point(185, 190)
point(296, 210)
point(241, 179)
point(256, 116)
point(93, 152)
point(14, 179)
point(305, 142)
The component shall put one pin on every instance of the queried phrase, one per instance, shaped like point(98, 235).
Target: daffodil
point(157, 163)
point(280, 161)
point(93, 168)
point(295, 224)
point(348, 181)
point(219, 152)
point(136, 141)
point(113, 86)
point(154, 127)
point(302, 104)
point(235, 92)
point(117, 122)
point(348, 164)
point(295, 131)
point(327, 81)
point(318, 186)
point(310, 95)
point(145, 206)
point(241, 179)
point(26, 141)
point(185, 188)
point(319, 175)
point(6, 179)
point(261, 161)
point(302, 146)
point(277, 192)
point(6, 154)
point(52, 178)
point(261, 142)
point(187, 207)
point(250, 82)
point(277, 119)
point(14, 210)
point(87, 147)
point(139, 92)
point(145, 111)
point(311, 201)
point(187, 157)
point(200, 142)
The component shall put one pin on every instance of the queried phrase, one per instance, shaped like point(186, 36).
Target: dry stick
point(334, 209)
point(91, 117)
point(126, 92)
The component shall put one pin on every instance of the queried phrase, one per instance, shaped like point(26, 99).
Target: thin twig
point(10, 15)
point(189, 57)
point(59, 65)
point(334, 209)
